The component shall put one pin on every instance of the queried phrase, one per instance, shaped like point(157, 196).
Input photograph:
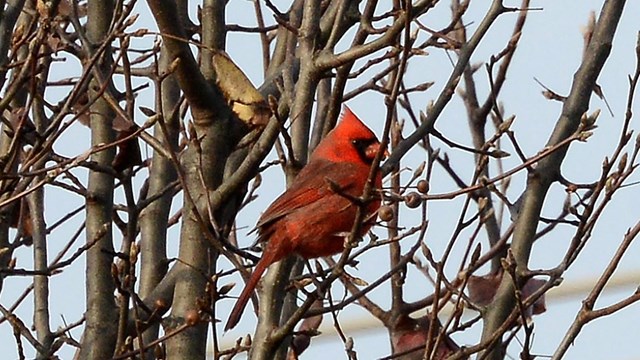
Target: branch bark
point(205, 100)
point(548, 169)
point(99, 338)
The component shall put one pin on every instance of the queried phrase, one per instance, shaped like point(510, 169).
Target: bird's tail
point(244, 297)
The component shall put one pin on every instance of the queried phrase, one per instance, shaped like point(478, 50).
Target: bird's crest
point(351, 140)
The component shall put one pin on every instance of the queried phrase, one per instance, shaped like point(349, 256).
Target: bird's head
point(351, 141)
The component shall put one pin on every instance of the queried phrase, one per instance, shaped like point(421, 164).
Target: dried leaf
point(80, 108)
point(128, 154)
point(539, 306)
point(409, 338)
point(482, 290)
point(55, 43)
point(21, 218)
point(307, 329)
point(243, 98)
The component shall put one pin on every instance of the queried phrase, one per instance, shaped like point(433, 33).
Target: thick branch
point(445, 96)
point(100, 331)
point(205, 99)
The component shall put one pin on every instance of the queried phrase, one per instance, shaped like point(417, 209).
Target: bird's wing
point(311, 184)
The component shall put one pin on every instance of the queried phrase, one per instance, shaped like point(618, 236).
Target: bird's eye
point(361, 146)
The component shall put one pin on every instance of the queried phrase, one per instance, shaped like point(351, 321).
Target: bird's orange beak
point(373, 149)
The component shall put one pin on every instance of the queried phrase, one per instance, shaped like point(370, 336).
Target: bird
point(313, 215)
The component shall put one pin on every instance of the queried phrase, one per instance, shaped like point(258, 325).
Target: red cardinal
point(310, 219)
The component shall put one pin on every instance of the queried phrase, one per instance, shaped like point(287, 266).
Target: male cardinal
point(312, 216)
